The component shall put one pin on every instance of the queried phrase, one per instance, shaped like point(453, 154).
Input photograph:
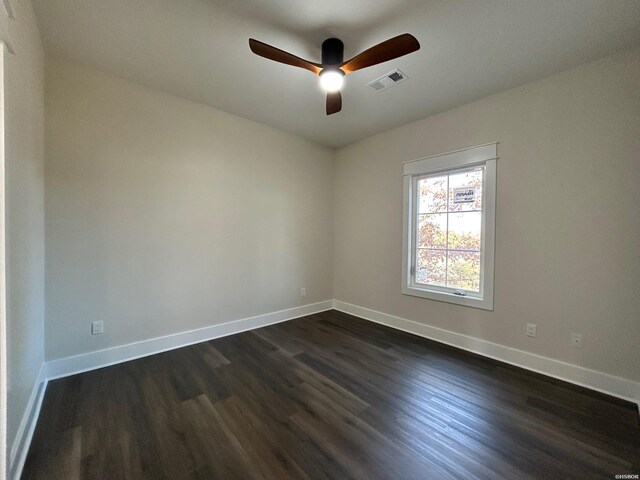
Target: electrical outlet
point(532, 330)
point(97, 327)
point(576, 340)
point(303, 292)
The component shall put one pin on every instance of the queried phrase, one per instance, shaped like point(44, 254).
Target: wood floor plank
point(270, 458)
point(167, 428)
point(218, 451)
point(60, 461)
point(328, 396)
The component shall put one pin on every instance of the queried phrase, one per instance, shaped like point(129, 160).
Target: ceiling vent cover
point(388, 80)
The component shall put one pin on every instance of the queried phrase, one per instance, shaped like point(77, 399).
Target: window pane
point(465, 231)
point(432, 230)
point(431, 268)
point(464, 271)
point(432, 194)
point(465, 191)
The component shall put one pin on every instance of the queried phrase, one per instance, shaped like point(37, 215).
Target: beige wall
point(163, 215)
point(24, 181)
point(567, 225)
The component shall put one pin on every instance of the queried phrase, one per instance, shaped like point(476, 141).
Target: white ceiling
point(198, 49)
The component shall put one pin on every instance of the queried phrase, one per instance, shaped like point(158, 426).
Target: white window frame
point(482, 155)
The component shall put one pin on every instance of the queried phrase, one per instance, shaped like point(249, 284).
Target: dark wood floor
point(328, 396)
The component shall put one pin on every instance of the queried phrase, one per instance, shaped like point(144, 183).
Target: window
point(449, 218)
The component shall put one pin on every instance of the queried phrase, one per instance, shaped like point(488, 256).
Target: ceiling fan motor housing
point(332, 52)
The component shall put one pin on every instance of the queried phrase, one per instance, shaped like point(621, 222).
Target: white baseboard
point(27, 426)
point(592, 379)
point(64, 367)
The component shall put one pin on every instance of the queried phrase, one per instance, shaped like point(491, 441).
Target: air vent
point(388, 80)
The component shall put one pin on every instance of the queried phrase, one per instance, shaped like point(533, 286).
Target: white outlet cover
point(532, 330)
point(97, 327)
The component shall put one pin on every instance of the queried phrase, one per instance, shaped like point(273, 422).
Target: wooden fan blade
point(393, 48)
point(334, 102)
point(273, 53)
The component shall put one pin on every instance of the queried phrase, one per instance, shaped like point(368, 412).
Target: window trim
point(482, 155)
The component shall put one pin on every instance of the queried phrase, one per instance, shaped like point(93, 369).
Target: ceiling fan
point(333, 67)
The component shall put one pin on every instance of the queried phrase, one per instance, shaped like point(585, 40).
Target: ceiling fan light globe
point(331, 80)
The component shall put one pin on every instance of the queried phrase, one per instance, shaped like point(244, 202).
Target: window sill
point(467, 301)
